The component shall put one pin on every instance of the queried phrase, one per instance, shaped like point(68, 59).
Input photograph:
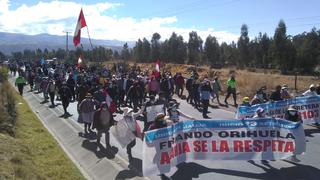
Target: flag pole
point(89, 38)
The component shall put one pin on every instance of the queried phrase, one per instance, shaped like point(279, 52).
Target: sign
point(308, 107)
point(122, 133)
point(250, 139)
point(152, 111)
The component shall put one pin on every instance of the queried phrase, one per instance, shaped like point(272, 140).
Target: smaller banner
point(152, 111)
point(251, 139)
point(308, 107)
point(122, 133)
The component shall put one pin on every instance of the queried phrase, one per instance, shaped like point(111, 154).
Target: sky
point(128, 20)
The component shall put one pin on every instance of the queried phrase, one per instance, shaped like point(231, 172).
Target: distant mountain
point(12, 42)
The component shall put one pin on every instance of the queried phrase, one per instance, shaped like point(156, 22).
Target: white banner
point(152, 111)
point(308, 108)
point(251, 139)
point(122, 133)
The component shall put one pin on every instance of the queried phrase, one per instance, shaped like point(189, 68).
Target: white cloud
point(56, 16)
point(4, 6)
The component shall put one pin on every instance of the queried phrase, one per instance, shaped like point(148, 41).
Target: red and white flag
point(80, 60)
point(111, 104)
point(158, 65)
point(77, 33)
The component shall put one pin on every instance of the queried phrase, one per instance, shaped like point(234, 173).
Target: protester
point(102, 122)
point(231, 89)
point(20, 83)
point(87, 110)
point(72, 84)
point(216, 89)
point(51, 89)
point(160, 122)
point(206, 91)
point(179, 82)
point(285, 92)
point(258, 98)
point(246, 102)
point(196, 93)
point(276, 95)
point(260, 113)
point(130, 118)
point(292, 114)
point(189, 83)
point(65, 95)
point(311, 91)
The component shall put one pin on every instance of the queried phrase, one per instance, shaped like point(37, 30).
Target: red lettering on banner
point(238, 146)
point(247, 145)
point(289, 147)
point(186, 147)
point(165, 158)
point(204, 146)
point(257, 146)
point(224, 147)
point(173, 153)
point(273, 145)
point(197, 147)
point(266, 144)
point(280, 145)
point(214, 146)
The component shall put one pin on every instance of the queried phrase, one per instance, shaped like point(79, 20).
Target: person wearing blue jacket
point(205, 91)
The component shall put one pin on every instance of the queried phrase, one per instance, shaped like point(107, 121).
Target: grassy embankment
point(27, 150)
point(248, 80)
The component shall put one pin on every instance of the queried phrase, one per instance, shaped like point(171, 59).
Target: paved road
point(308, 168)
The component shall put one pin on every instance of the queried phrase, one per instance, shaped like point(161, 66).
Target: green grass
point(33, 153)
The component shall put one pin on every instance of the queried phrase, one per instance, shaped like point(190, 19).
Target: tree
point(137, 50)
point(243, 46)
point(212, 50)
point(155, 46)
point(3, 57)
point(125, 53)
point(194, 47)
point(284, 52)
point(116, 54)
point(146, 50)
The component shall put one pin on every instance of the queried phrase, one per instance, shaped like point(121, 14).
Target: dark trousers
point(205, 104)
point(51, 94)
point(234, 95)
point(20, 89)
point(107, 136)
point(65, 104)
point(73, 93)
point(190, 96)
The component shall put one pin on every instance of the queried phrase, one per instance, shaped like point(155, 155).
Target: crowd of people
point(102, 92)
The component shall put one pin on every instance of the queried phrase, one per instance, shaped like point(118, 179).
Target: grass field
point(32, 153)
point(248, 80)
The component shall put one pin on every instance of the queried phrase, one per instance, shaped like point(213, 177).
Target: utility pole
point(67, 40)
point(67, 45)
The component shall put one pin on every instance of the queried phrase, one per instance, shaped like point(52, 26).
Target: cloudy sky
point(129, 20)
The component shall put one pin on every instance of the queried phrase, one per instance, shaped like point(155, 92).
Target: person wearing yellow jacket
point(20, 83)
point(231, 89)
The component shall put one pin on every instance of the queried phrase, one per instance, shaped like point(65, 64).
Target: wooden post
point(295, 81)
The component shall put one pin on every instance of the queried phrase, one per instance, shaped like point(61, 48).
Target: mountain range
point(13, 42)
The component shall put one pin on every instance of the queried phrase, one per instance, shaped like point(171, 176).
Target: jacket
point(97, 124)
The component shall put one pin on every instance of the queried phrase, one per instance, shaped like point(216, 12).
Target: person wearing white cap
point(311, 91)
point(293, 115)
point(260, 113)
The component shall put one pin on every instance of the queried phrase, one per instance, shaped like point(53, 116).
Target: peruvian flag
point(80, 60)
point(111, 104)
point(156, 73)
point(77, 33)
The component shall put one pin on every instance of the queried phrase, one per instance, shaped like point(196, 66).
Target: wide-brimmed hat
point(160, 117)
point(292, 108)
point(312, 86)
